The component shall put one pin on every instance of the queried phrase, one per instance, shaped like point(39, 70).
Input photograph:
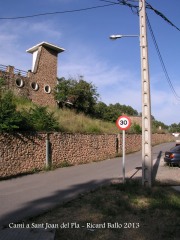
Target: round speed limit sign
point(123, 122)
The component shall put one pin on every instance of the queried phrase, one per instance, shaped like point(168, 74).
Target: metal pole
point(146, 100)
point(123, 152)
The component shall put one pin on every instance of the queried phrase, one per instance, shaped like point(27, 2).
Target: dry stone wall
point(81, 148)
point(21, 153)
point(27, 152)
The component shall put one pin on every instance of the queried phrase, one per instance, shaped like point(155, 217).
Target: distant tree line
point(174, 127)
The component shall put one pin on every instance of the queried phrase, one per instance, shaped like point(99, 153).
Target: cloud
point(114, 83)
point(45, 29)
point(16, 38)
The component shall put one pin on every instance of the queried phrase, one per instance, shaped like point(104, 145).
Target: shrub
point(10, 119)
point(39, 119)
point(135, 128)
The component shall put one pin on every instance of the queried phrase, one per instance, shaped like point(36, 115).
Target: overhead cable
point(59, 12)
point(161, 15)
point(136, 8)
point(161, 60)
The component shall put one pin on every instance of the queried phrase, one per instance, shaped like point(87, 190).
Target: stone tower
point(43, 76)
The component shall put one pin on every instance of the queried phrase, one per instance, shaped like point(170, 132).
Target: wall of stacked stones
point(27, 152)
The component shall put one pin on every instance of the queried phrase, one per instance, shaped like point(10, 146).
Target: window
point(34, 86)
point(47, 89)
point(19, 82)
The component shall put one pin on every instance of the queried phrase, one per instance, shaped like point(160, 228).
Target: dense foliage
point(113, 111)
point(10, 119)
point(39, 119)
point(174, 127)
point(36, 119)
point(78, 94)
point(75, 94)
point(83, 97)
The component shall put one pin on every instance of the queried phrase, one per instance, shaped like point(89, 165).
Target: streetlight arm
point(114, 37)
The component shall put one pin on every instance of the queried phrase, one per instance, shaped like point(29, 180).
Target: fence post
point(118, 142)
point(47, 151)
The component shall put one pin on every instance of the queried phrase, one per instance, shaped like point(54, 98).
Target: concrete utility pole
point(146, 100)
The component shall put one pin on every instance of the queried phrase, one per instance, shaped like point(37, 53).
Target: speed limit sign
point(123, 122)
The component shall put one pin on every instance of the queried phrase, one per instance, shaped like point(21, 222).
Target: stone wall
point(27, 152)
point(15, 80)
point(81, 148)
point(21, 153)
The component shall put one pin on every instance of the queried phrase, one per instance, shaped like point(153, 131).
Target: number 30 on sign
point(123, 122)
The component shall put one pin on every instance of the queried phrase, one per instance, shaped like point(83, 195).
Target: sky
point(112, 66)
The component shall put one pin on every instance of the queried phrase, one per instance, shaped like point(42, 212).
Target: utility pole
point(146, 100)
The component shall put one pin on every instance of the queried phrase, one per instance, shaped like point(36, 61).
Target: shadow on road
point(42, 205)
point(137, 172)
point(156, 166)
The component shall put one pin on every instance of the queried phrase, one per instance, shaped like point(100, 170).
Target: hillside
point(20, 114)
point(70, 121)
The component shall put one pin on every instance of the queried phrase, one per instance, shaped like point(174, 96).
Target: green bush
point(35, 119)
point(10, 119)
point(39, 119)
point(135, 128)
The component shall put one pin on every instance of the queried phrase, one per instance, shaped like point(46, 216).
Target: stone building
point(136, 120)
point(38, 83)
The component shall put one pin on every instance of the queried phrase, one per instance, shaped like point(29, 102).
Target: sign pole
point(123, 152)
point(123, 123)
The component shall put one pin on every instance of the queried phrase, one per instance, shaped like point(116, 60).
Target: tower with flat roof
point(43, 75)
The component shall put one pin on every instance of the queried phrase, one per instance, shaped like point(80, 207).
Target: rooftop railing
point(16, 71)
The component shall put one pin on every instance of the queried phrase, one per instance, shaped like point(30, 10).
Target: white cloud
point(45, 29)
point(16, 38)
point(114, 83)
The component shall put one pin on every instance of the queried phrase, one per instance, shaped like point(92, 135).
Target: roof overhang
point(45, 44)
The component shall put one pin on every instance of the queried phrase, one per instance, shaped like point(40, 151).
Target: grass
point(23, 103)
point(70, 121)
point(119, 211)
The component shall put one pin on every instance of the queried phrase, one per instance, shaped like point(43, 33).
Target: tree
point(100, 110)
point(39, 119)
point(175, 127)
point(10, 119)
point(63, 91)
point(80, 94)
point(113, 111)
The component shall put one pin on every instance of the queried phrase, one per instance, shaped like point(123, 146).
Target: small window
point(47, 89)
point(34, 86)
point(19, 82)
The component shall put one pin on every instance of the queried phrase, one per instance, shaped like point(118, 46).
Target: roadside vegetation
point(118, 211)
point(79, 112)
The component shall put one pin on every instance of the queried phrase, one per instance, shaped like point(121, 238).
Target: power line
point(125, 3)
point(110, 3)
point(161, 61)
point(148, 6)
point(59, 12)
point(161, 15)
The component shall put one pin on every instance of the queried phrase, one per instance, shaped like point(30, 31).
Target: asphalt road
point(31, 195)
